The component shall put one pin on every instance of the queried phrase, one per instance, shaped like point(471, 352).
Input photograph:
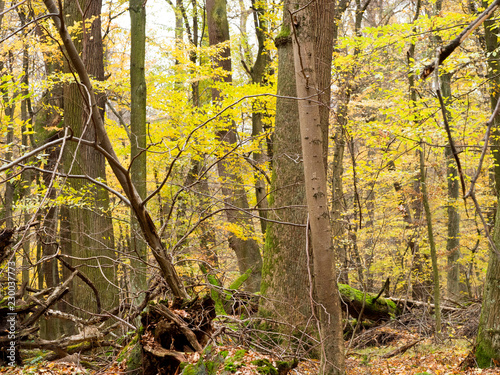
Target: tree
point(453, 240)
point(247, 250)
point(92, 235)
point(310, 23)
point(138, 172)
point(285, 284)
point(488, 337)
point(105, 147)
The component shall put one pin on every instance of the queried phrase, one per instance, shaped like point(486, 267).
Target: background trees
point(201, 143)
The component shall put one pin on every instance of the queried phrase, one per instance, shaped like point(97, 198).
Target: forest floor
point(402, 346)
point(426, 357)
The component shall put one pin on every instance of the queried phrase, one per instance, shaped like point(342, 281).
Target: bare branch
point(34, 152)
point(455, 43)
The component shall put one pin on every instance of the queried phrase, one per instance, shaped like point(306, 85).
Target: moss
point(265, 367)
point(358, 295)
point(284, 33)
point(134, 361)
point(76, 347)
point(269, 248)
point(380, 304)
point(126, 350)
point(232, 364)
point(240, 280)
point(484, 355)
point(286, 366)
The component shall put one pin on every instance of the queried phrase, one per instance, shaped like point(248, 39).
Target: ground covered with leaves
point(426, 357)
point(405, 345)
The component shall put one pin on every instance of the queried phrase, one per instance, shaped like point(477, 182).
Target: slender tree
point(488, 337)
point(247, 250)
point(138, 172)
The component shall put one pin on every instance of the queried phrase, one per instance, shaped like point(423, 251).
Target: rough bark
point(50, 329)
point(285, 286)
point(309, 23)
point(92, 235)
point(247, 250)
point(138, 172)
point(488, 338)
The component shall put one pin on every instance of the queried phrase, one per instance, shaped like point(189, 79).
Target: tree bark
point(258, 72)
point(488, 337)
point(308, 23)
point(432, 244)
point(138, 172)
point(453, 239)
point(285, 285)
point(92, 230)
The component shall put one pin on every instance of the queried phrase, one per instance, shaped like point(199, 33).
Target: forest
point(249, 187)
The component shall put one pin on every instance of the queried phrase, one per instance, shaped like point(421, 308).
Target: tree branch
point(450, 47)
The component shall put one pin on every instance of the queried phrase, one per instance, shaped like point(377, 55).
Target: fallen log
point(411, 303)
point(374, 307)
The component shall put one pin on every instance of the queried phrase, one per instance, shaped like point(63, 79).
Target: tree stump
point(170, 332)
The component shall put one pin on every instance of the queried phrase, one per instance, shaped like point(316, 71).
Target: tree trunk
point(138, 172)
point(257, 72)
point(488, 337)
point(247, 250)
point(453, 239)
point(339, 229)
point(92, 230)
point(432, 244)
point(285, 284)
point(308, 24)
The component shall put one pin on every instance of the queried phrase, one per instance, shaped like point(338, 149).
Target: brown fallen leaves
point(424, 358)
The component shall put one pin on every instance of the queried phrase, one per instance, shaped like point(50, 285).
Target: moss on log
point(375, 308)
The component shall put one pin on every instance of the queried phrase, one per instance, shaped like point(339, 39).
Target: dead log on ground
point(376, 308)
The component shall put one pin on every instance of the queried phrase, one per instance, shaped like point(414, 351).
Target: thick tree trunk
point(92, 230)
point(285, 284)
point(308, 24)
point(138, 173)
point(247, 250)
